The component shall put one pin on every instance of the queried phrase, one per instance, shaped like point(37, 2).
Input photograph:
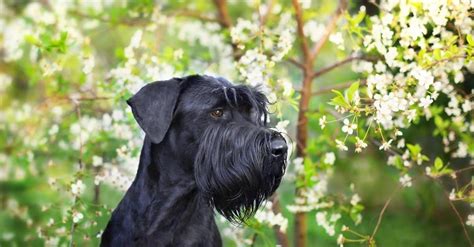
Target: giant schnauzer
point(207, 146)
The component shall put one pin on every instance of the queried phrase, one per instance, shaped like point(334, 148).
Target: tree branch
point(335, 65)
point(302, 127)
point(196, 15)
point(296, 63)
point(224, 17)
point(300, 32)
point(226, 23)
point(329, 28)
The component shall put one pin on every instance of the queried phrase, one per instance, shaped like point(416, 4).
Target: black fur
point(193, 162)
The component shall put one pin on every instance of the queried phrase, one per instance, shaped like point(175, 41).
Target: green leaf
point(339, 100)
point(437, 54)
point(399, 163)
point(32, 40)
point(359, 17)
point(452, 40)
point(338, 93)
point(470, 40)
point(352, 90)
point(438, 164)
point(414, 149)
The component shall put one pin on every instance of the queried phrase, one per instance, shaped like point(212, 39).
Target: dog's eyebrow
point(224, 89)
point(235, 96)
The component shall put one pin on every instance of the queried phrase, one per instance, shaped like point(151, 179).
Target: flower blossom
point(348, 127)
point(406, 180)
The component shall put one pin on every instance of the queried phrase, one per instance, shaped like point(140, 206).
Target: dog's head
point(220, 130)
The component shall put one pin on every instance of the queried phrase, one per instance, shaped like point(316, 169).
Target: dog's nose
point(278, 146)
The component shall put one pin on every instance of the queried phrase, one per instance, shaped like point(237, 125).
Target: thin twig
point(470, 167)
point(382, 212)
point(461, 221)
point(296, 63)
point(335, 65)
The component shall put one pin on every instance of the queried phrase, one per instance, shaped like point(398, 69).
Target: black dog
point(206, 146)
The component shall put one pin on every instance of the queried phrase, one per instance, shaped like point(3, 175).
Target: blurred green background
point(60, 111)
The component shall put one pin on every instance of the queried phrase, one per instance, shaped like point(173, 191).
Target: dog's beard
point(235, 170)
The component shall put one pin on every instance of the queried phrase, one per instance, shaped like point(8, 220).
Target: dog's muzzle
point(237, 167)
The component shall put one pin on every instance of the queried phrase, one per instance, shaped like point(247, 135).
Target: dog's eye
point(217, 113)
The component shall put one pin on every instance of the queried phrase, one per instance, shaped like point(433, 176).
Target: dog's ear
point(153, 107)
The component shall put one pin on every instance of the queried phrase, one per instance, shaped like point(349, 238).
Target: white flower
point(340, 240)
point(406, 180)
point(360, 144)
point(54, 130)
point(470, 220)
point(328, 225)
point(329, 158)
point(385, 145)
point(97, 160)
point(314, 30)
point(425, 102)
point(77, 216)
point(462, 150)
point(117, 115)
point(298, 165)
point(406, 163)
point(452, 195)
point(355, 199)
point(466, 106)
point(391, 160)
point(337, 39)
point(429, 171)
point(348, 127)
point(390, 56)
point(88, 65)
point(78, 187)
point(340, 145)
point(136, 38)
point(178, 54)
point(401, 143)
point(281, 126)
point(322, 122)
point(305, 4)
point(266, 215)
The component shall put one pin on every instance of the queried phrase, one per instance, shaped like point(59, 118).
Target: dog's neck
point(166, 198)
